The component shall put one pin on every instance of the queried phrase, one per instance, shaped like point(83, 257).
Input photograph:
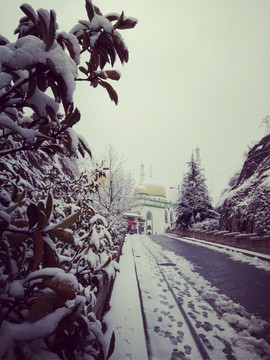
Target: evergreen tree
point(194, 207)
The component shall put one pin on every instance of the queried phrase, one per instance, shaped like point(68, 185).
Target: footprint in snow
point(187, 349)
point(193, 316)
point(207, 326)
point(206, 341)
point(219, 327)
point(205, 314)
point(157, 329)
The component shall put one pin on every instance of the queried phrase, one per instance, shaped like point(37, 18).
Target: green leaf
point(50, 258)
point(83, 70)
point(21, 196)
point(17, 238)
point(119, 21)
point(68, 221)
point(62, 235)
point(20, 223)
point(111, 346)
point(70, 48)
point(106, 263)
point(54, 299)
point(50, 111)
point(89, 9)
point(128, 23)
point(38, 248)
point(39, 309)
point(14, 193)
point(83, 147)
point(94, 61)
point(112, 93)
point(72, 118)
point(120, 48)
point(51, 66)
point(43, 27)
point(62, 288)
point(32, 214)
point(29, 12)
point(32, 84)
point(55, 89)
point(42, 220)
point(41, 206)
point(51, 32)
point(49, 205)
point(112, 17)
point(41, 82)
point(113, 74)
point(12, 207)
point(63, 92)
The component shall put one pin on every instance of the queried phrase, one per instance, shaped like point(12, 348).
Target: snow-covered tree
point(194, 207)
point(56, 252)
point(115, 194)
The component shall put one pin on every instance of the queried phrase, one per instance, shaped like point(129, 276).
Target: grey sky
point(199, 74)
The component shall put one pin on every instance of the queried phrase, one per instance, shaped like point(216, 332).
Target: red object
point(132, 223)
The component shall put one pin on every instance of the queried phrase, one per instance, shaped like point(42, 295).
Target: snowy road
point(243, 283)
point(162, 308)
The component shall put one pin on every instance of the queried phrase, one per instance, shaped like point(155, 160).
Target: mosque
point(153, 214)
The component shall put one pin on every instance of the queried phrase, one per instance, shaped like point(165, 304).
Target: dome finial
point(142, 176)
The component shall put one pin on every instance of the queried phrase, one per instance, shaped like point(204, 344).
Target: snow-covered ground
point(162, 309)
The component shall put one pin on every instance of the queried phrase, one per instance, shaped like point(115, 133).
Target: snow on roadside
point(124, 316)
point(234, 253)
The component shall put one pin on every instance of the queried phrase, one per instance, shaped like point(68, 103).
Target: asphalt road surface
point(241, 282)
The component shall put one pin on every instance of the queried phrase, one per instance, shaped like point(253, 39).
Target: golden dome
point(151, 188)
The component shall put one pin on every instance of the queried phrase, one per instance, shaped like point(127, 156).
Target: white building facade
point(155, 214)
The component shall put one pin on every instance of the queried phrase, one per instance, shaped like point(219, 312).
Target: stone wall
point(252, 242)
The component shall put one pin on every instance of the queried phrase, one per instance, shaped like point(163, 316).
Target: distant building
point(153, 214)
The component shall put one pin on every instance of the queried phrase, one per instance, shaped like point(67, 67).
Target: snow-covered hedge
point(56, 250)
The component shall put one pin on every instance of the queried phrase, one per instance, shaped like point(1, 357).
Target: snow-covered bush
point(208, 225)
point(56, 252)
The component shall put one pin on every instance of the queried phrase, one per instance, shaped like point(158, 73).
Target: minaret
point(197, 156)
point(142, 176)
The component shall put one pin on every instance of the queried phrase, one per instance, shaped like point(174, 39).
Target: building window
point(166, 217)
point(171, 217)
point(149, 216)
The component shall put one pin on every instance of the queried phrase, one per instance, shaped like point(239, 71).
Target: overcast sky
point(198, 75)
